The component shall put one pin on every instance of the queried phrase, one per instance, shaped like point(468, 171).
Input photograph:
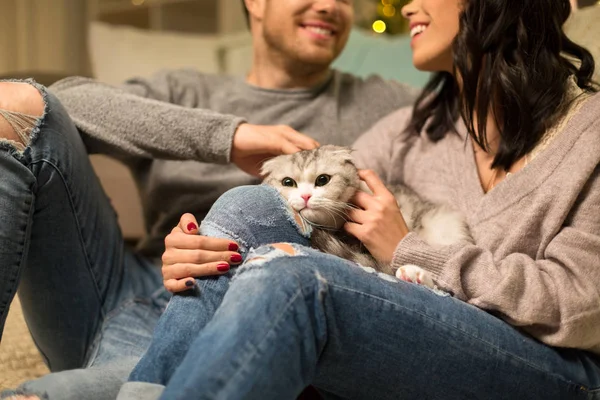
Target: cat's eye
point(322, 180)
point(289, 182)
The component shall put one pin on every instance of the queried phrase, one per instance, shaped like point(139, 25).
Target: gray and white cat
point(319, 184)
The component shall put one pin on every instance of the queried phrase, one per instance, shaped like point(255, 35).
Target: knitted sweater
point(535, 260)
point(174, 129)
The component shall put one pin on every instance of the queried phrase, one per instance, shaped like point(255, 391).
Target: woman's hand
point(253, 144)
point(189, 255)
point(378, 224)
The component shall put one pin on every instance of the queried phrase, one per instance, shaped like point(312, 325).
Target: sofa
point(119, 52)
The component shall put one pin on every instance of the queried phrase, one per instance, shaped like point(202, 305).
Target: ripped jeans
point(89, 302)
point(291, 316)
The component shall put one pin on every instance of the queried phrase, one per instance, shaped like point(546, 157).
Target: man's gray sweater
point(174, 131)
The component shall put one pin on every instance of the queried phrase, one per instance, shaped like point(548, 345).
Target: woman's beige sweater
point(536, 257)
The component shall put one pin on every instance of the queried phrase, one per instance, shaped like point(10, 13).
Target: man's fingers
point(289, 148)
point(184, 270)
point(299, 139)
point(188, 223)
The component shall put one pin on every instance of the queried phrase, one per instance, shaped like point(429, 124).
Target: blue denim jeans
point(89, 302)
point(292, 316)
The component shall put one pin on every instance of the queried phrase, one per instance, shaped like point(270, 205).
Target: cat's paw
point(414, 274)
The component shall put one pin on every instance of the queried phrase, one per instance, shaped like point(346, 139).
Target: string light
point(379, 26)
point(387, 17)
point(389, 10)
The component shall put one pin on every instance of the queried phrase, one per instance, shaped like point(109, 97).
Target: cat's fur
point(328, 204)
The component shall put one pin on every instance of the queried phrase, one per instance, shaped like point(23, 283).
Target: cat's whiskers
point(336, 208)
point(314, 224)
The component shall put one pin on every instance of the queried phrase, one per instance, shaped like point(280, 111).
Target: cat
point(319, 183)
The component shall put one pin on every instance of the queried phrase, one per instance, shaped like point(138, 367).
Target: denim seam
point(15, 279)
point(441, 323)
point(89, 265)
point(77, 222)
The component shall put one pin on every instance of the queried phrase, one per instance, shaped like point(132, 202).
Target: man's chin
point(316, 58)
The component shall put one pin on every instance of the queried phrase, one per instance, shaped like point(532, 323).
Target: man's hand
point(378, 224)
point(189, 255)
point(253, 144)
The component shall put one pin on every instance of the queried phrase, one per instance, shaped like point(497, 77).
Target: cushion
point(119, 52)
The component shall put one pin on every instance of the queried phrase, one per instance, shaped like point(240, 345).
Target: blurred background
point(52, 37)
point(49, 39)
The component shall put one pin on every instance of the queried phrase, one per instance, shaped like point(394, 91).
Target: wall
point(50, 35)
point(43, 35)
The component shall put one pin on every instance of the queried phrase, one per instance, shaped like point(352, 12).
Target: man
point(161, 126)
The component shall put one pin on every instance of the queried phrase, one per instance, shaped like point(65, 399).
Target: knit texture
point(535, 260)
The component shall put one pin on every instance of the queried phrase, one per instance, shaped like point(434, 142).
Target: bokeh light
point(379, 26)
point(389, 10)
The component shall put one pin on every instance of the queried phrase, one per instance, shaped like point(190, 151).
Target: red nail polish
point(236, 258)
point(191, 226)
point(223, 267)
point(233, 247)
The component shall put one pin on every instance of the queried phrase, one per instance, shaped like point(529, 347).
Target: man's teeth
point(320, 31)
point(417, 29)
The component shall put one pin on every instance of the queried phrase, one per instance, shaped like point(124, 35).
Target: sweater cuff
point(414, 250)
point(221, 145)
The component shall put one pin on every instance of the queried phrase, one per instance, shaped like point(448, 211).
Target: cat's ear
point(268, 167)
point(341, 151)
point(345, 153)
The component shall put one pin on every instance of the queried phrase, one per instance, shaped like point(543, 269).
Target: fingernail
point(223, 267)
point(191, 226)
point(236, 258)
point(189, 283)
point(233, 247)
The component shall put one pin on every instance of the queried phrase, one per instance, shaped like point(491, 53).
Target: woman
point(507, 132)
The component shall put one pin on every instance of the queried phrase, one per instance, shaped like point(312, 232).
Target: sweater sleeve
point(554, 298)
point(149, 118)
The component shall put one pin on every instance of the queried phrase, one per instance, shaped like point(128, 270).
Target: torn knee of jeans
point(261, 255)
point(18, 127)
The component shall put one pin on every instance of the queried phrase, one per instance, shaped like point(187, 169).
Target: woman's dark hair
point(513, 60)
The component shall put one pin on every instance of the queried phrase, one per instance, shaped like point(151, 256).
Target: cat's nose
point(306, 197)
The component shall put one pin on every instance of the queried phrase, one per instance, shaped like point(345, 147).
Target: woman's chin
point(432, 64)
